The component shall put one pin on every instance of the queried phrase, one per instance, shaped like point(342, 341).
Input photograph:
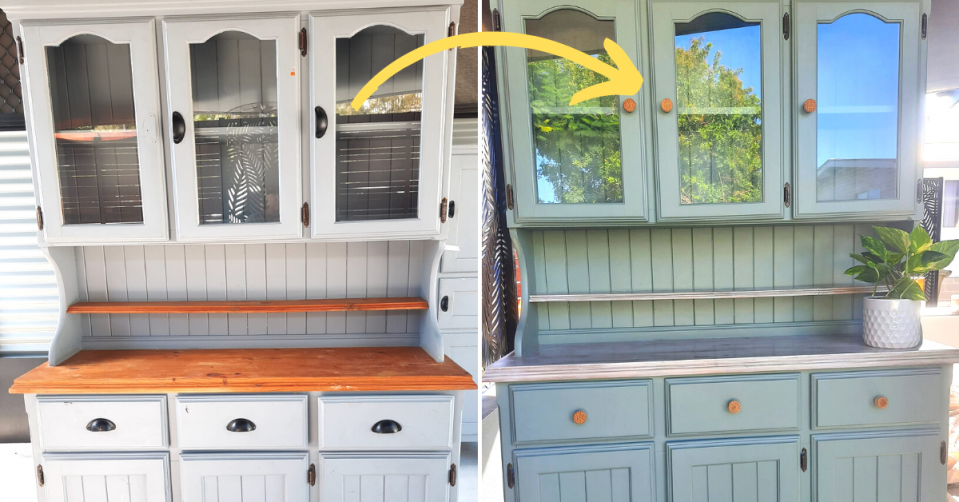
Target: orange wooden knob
point(629, 105)
point(579, 418)
point(882, 402)
point(734, 406)
point(809, 106)
point(667, 105)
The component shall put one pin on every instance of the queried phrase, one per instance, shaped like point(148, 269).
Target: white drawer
point(102, 423)
point(258, 422)
point(424, 422)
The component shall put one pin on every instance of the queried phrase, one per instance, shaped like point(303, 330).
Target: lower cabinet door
point(620, 472)
point(244, 477)
point(96, 477)
point(735, 470)
point(406, 477)
point(893, 466)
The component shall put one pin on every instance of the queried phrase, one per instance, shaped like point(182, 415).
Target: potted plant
point(896, 259)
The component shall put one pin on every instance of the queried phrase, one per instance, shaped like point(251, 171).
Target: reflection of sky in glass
point(858, 89)
point(738, 48)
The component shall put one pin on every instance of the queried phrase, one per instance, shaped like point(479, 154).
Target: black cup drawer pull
point(101, 425)
point(322, 121)
point(387, 427)
point(179, 128)
point(241, 425)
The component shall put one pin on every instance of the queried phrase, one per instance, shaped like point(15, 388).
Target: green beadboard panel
point(700, 258)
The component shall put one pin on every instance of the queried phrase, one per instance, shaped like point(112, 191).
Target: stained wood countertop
point(714, 356)
point(245, 370)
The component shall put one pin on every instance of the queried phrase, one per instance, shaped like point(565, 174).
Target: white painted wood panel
point(347, 422)
point(384, 478)
point(462, 304)
point(102, 477)
point(462, 253)
point(244, 477)
point(140, 422)
point(280, 422)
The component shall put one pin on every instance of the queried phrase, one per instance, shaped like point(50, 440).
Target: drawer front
point(386, 422)
point(581, 410)
point(271, 422)
point(709, 405)
point(850, 398)
point(115, 422)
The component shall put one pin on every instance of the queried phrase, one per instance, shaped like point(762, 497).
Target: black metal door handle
point(179, 128)
point(445, 304)
point(322, 122)
point(101, 425)
point(452, 209)
point(387, 427)
point(241, 425)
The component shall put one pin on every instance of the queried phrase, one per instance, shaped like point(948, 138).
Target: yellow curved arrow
point(623, 80)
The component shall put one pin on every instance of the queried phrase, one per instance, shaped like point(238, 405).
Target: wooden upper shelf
point(245, 370)
point(248, 307)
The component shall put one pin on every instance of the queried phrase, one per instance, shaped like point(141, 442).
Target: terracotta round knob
point(629, 105)
point(882, 402)
point(667, 105)
point(734, 406)
point(809, 106)
point(579, 418)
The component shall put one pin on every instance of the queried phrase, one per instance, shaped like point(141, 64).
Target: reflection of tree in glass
point(400, 103)
point(720, 131)
point(577, 148)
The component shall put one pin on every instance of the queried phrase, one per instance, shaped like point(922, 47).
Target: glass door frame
point(808, 16)
point(178, 35)
point(435, 129)
point(518, 130)
point(665, 15)
point(140, 35)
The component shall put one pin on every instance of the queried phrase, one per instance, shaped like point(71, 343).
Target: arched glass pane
point(91, 92)
point(378, 147)
point(857, 114)
point(235, 126)
point(577, 148)
point(719, 110)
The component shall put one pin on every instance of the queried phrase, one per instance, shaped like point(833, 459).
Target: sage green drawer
point(703, 405)
point(607, 409)
point(850, 399)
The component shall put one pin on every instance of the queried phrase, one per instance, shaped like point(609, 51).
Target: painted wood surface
point(254, 272)
point(140, 423)
point(250, 477)
point(103, 477)
point(693, 259)
point(244, 370)
point(347, 422)
point(848, 399)
point(279, 422)
point(384, 478)
point(702, 405)
point(256, 307)
point(717, 356)
point(610, 473)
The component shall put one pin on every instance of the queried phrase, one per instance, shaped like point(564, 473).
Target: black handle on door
point(241, 425)
point(322, 122)
point(387, 427)
point(101, 425)
point(179, 128)
point(445, 304)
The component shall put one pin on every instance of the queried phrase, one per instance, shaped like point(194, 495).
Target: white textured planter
point(891, 324)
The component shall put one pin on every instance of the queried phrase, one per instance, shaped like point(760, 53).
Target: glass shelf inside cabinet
point(378, 147)
point(91, 92)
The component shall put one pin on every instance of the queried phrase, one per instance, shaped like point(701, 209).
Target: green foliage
point(719, 148)
point(897, 259)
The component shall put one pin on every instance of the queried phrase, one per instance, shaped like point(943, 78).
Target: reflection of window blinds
point(360, 58)
point(377, 171)
point(29, 304)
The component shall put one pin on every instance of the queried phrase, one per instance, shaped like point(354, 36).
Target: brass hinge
point(40, 479)
point(510, 476)
point(943, 452)
point(923, 30)
point(496, 24)
point(305, 214)
point(311, 475)
point(803, 460)
point(787, 195)
point(452, 30)
point(509, 196)
point(303, 40)
point(39, 218)
point(20, 47)
point(786, 26)
point(453, 475)
point(443, 210)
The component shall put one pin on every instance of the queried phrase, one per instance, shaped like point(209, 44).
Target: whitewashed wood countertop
point(714, 356)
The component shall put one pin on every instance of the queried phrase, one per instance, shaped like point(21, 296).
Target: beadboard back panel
point(690, 259)
point(253, 272)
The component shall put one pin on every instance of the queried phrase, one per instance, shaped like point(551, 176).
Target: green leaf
point(860, 258)
point(875, 246)
point(948, 249)
point(869, 275)
point(893, 238)
point(906, 289)
point(919, 240)
point(872, 258)
point(856, 270)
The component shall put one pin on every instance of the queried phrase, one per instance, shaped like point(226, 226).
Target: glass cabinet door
point(95, 104)
point(717, 98)
point(379, 170)
point(234, 128)
point(572, 163)
point(857, 109)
